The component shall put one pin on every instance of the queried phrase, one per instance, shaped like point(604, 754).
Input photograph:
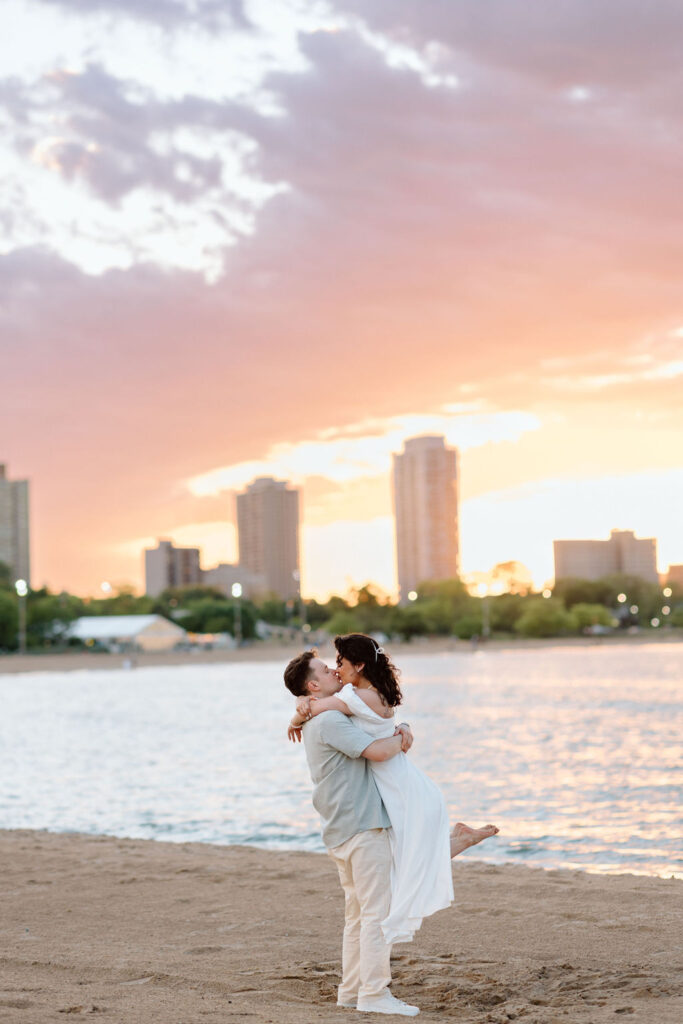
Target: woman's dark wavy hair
point(379, 669)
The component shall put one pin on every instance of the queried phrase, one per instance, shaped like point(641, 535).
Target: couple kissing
point(384, 822)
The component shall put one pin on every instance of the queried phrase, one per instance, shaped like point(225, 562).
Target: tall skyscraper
point(593, 559)
point(426, 512)
point(14, 527)
point(268, 534)
point(168, 566)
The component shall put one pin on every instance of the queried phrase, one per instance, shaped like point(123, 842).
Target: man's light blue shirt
point(345, 794)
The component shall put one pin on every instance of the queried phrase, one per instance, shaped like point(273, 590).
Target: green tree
point(505, 610)
point(407, 621)
point(6, 580)
point(573, 590)
point(316, 614)
point(676, 617)
point(343, 622)
point(468, 626)
point(591, 615)
point(212, 615)
point(274, 610)
point(124, 602)
point(9, 621)
point(544, 617)
point(49, 616)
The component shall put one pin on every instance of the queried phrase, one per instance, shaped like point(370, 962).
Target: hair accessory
point(378, 650)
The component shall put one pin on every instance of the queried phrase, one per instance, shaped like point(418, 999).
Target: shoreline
point(68, 661)
point(148, 931)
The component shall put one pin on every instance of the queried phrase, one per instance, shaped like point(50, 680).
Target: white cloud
point(365, 449)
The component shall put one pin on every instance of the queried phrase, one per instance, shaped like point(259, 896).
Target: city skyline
point(167, 565)
point(215, 270)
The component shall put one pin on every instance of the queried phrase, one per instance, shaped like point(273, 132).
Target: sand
point(69, 661)
point(138, 931)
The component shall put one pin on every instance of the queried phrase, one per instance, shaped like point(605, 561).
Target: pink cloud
point(430, 237)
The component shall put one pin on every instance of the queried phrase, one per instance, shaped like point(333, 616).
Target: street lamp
point(547, 593)
point(667, 591)
point(237, 594)
point(412, 595)
point(21, 587)
point(621, 598)
point(296, 576)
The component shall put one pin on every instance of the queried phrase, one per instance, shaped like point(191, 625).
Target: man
point(354, 829)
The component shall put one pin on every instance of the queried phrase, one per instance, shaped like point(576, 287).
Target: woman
point(421, 843)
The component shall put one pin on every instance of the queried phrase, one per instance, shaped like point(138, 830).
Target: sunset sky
point(279, 237)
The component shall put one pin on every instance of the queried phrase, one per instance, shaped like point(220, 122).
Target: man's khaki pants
point(364, 866)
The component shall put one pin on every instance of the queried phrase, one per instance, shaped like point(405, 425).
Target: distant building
point(593, 559)
point(123, 632)
point(425, 484)
point(674, 576)
point(14, 527)
point(168, 566)
point(268, 535)
point(224, 575)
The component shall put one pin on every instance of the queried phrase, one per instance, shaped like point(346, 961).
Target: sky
point(279, 237)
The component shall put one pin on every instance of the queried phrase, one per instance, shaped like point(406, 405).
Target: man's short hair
point(298, 672)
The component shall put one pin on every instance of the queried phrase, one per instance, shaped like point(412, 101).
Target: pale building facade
point(268, 535)
point(425, 486)
point(674, 576)
point(593, 559)
point(168, 566)
point(224, 575)
point(14, 526)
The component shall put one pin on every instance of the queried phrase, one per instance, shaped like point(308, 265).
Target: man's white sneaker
point(387, 1004)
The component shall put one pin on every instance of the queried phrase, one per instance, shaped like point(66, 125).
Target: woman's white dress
point(421, 880)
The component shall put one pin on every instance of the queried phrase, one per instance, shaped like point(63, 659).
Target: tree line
point(443, 608)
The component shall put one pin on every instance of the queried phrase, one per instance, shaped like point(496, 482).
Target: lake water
point(574, 752)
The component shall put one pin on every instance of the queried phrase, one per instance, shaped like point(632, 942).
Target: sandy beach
point(139, 931)
point(79, 660)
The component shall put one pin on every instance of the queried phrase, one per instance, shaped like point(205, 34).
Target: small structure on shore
point(128, 632)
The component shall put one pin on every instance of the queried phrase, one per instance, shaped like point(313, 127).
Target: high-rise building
point(268, 534)
point(168, 566)
point(593, 559)
point(426, 512)
point(14, 527)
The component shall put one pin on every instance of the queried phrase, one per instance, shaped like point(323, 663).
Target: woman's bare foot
point(463, 836)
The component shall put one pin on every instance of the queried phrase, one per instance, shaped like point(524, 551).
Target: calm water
point(574, 752)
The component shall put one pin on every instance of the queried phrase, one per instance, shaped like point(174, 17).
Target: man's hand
point(294, 733)
point(406, 736)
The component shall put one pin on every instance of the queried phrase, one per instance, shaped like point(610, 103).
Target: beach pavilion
point(128, 632)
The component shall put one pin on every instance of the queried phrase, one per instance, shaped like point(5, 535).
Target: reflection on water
point(574, 752)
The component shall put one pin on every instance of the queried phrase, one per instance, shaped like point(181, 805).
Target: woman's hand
point(303, 707)
point(294, 733)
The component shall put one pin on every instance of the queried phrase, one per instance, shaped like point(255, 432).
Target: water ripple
point(574, 752)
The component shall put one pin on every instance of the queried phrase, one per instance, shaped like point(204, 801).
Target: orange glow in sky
point(294, 235)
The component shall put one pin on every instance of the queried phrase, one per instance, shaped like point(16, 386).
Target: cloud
point(227, 247)
point(358, 454)
point(165, 13)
